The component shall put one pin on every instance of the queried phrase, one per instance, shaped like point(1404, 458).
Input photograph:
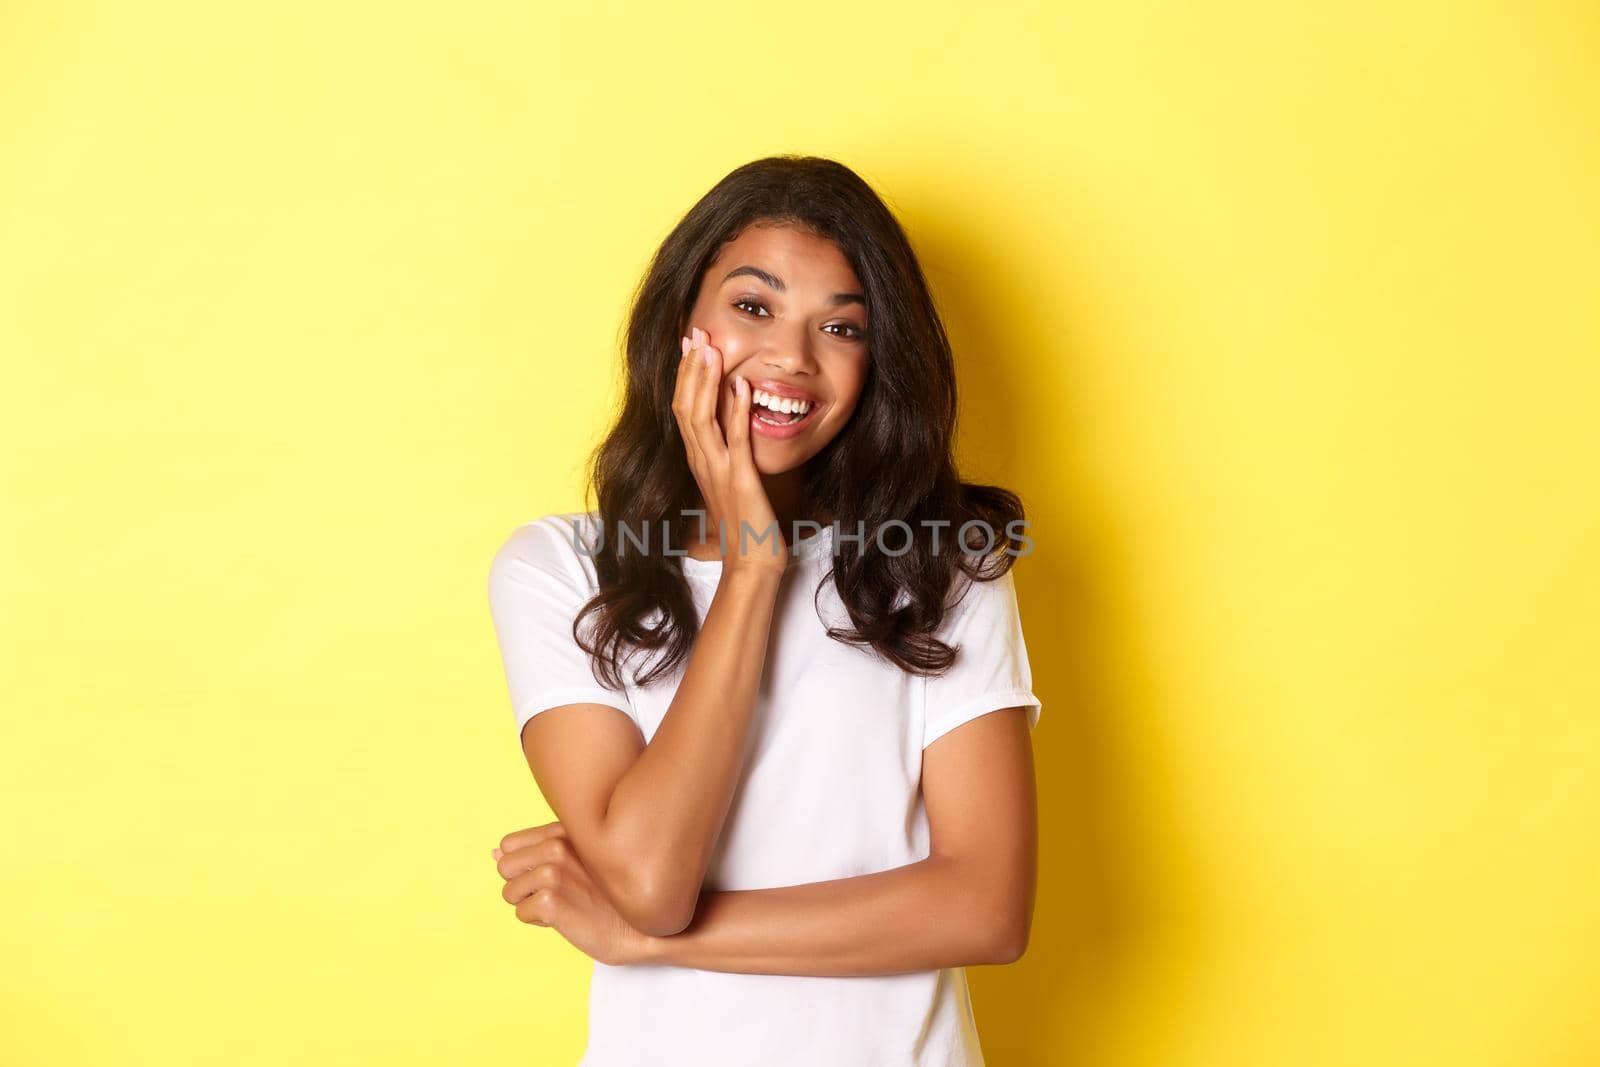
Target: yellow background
point(1282, 318)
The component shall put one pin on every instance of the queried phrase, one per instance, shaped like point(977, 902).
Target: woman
point(809, 804)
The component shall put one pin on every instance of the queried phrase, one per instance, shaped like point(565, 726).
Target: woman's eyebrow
point(777, 283)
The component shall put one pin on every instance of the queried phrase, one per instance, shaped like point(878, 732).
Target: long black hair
point(893, 459)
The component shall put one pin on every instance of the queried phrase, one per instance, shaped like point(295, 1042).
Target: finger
point(557, 850)
point(532, 834)
point(739, 427)
point(539, 876)
point(541, 908)
point(683, 383)
point(518, 839)
point(705, 403)
point(685, 373)
point(683, 393)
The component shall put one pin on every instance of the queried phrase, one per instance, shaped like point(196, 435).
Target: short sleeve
point(538, 583)
point(991, 669)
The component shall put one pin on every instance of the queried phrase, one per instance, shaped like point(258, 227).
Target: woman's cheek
point(846, 407)
point(734, 340)
point(734, 352)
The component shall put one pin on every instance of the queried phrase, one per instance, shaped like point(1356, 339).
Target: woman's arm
point(923, 916)
point(645, 818)
point(667, 810)
point(969, 902)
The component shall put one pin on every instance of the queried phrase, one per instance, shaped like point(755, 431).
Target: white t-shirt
point(831, 789)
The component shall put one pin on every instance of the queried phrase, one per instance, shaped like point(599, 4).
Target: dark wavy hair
point(893, 459)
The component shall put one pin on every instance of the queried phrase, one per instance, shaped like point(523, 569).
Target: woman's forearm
point(667, 811)
point(934, 913)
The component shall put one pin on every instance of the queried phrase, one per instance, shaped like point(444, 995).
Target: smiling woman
point(809, 804)
point(800, 344)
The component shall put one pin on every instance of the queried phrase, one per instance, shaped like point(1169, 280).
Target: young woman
point(792, 770)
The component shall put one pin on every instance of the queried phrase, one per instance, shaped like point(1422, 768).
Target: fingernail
point(699, 336)
point(495, 853)
point(685, 341)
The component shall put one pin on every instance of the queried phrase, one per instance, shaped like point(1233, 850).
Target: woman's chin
point(774, 457)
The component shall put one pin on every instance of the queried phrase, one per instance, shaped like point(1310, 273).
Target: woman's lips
point(767, 385)
point(761, 428)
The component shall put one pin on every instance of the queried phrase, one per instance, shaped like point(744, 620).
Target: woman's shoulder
point(983, 600)
point(561, 542)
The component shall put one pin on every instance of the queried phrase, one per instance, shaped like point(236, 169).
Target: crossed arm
point(622, 876)
point(969, 902)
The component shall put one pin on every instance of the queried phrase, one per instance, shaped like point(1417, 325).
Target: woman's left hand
point(550, 886)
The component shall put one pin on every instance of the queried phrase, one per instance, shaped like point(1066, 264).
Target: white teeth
point(781, 404)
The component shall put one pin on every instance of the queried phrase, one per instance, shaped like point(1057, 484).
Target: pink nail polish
point(685, 343)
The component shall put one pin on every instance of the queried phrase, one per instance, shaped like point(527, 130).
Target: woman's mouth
point(779, 417)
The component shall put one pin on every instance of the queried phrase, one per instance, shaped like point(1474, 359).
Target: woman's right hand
point(725, 467)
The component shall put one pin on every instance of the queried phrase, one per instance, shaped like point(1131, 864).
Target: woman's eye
point(853, 332)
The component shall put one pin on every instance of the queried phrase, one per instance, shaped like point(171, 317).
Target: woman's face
point(788, 315)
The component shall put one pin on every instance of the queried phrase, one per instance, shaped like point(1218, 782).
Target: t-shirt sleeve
point(537, 586)
point(991, 669)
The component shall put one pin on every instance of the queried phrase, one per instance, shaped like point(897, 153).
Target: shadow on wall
point(1052, 1005)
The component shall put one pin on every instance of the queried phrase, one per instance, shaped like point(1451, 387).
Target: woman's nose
point(789, 351)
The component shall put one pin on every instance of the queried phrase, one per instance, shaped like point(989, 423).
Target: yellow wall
point(1282, 320)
